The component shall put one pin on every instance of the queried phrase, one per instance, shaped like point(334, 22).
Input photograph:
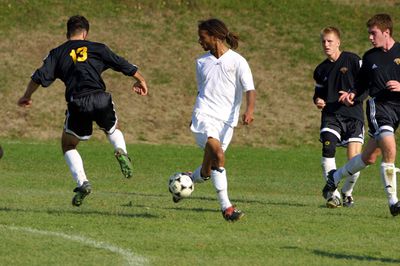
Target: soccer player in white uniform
point(222, 77)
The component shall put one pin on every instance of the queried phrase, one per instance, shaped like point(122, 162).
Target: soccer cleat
point(125, 163)
point(232, 214)
point(333, 202)
point(348, 201)
point(176, 198)
point(395, 209)
point(329, 186)
point(81, 193)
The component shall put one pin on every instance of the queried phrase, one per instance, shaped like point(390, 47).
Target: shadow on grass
point(81, 212)
point(204, 198)
point(355, 257)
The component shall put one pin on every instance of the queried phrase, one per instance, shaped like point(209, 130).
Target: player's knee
point(67, 146)
point(329, 142)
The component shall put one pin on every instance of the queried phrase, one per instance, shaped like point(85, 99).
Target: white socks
point(220, 182)
point(388, 176)
point(75, 164)
point(329, 164)
point(117, 140)
point(348, 185)
point(353, 166)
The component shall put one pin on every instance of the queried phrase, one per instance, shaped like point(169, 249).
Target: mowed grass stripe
point(286, 222)
point(131, 258)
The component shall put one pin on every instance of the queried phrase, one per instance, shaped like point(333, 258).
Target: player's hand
point(247, 118)
point(349, 100)
point(24, 102)
point(343, 96)
point(320, 103)
point(140, 88)
point(393, 85)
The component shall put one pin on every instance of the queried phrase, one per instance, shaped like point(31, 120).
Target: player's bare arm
point(320, 103)
point(248, 116)
point(25, 100)
point(140, 86)
point(393, 85)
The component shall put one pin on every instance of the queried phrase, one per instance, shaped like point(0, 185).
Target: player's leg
point(75, 165)
point(360, 161)
point(384, 123)
point(201, 126)
point(356, 164)
point(116, 139)
point(215, 164)
point(388, 171)
point(329, 139)
point(105, 116)
point(354, 138)
point(330, 136)
point(219, 179)
point(216, 148)
point(77, 127)
point(328, 162)
point(353, 149)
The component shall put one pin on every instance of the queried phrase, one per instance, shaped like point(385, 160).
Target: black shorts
point(346, 129)
point(82, 111)
point(382, 117)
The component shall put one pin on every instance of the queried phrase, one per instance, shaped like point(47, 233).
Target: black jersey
point(378, 68)
point(332, 77)
point(79, 64)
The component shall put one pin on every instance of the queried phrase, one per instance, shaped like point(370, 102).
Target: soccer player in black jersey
point(340, 125)
point(380, 76)
point(79, 64)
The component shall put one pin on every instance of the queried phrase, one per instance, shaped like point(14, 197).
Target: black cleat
point(81, 193)
point(176, 198)
point(329, 186)
point(348, 201)
point(232, 214)
point(395, 209)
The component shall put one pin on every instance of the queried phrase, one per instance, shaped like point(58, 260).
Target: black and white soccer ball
point(181, 185)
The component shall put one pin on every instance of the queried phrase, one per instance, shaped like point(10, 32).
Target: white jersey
point(221, 83)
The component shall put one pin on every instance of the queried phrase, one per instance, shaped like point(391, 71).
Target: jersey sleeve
point(319, 91)
point(245, 75)
point(361, 95)
point(118, 63)
point(45, 75)
point(361, 83)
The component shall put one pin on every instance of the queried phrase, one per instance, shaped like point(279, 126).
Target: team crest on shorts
point(344, 70)
point(397, 61)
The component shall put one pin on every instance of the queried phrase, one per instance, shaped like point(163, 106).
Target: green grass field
point(135, 222)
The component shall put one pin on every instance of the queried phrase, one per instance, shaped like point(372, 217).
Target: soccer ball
point(181, 185)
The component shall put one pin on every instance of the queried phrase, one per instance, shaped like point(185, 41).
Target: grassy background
point(286, 222)
point(280, 39)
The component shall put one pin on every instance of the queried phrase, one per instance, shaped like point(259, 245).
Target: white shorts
point(204, 127)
